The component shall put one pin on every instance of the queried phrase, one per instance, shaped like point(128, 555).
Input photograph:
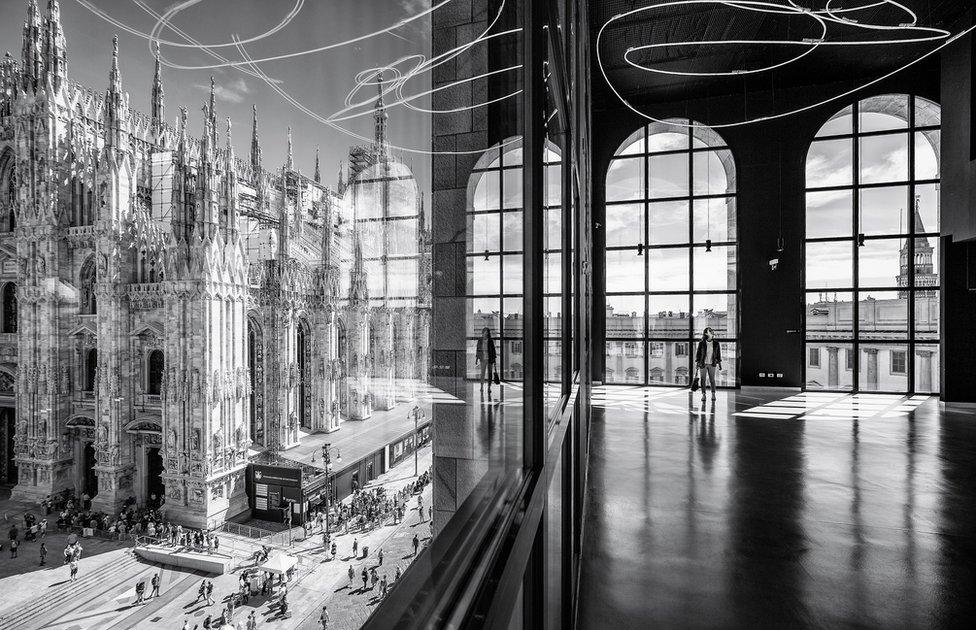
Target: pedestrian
point(365, 578)
point(231, 604)
point(210, 599)
point(416, 544)
point(352, 574)
point(13, 548)
point(201, 592)
point(484, 357)
point(43, 552)
point(430, 513)
point(324, 618)
point(186, 625)
point(708, 358)
point(140, 591)
point(355, 547)
point(333, 550)
point(380, 556)
point(207, 622)
point(155, 586)
point(73, 566)
point(252, 621)
point(396, 576)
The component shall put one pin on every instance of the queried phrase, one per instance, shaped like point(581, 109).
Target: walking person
point(707, 357)
point(380, 556)
point(209, 593)
point(324, 618)
point(416, 544)
point(373, 578)
point(352, 574)
point(140, 591)
point(13, 548)
point(485, 357)
point(73, 567)
point(155, 586)
point(355, 547)
point(43, 551)
point(365, 578)
point(333, 550)
point(201, 592)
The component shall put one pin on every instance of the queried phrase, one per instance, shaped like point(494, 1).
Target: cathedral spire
point(380, 116)
point(157, 95)
point(55, 50)
point(32, 62)
point(212, 112)
point(114, 101)
point(255, 144)
point(318, 172)
point(290, 162)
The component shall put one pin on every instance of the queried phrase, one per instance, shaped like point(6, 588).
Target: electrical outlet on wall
point(762, 375)
point(779, 375)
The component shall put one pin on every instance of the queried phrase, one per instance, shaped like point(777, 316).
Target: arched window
point(494, 253)
point(302, 351)
point(871, 248)
point(88, 304)
point(670, 252)
point(155, 371)
point(10, 307)
point(91, 369)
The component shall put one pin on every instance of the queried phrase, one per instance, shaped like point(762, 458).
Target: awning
point(278, 564)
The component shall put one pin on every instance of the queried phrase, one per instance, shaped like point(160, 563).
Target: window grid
point(905, 348)
point(682, 348)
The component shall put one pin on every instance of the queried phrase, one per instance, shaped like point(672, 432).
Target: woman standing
point(485, 357)
point(707, 357)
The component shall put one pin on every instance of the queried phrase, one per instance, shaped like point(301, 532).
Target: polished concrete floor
point(778, 510)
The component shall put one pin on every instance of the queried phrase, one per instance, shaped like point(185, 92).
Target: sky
point(320, 81)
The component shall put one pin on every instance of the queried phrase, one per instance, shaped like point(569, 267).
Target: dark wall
point(770, 158)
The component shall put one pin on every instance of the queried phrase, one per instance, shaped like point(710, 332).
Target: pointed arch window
point(88, 303)
point(871, 248)
point(155, 373)
point(91, 369)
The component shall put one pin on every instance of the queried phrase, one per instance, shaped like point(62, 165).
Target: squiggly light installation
point(822, 17)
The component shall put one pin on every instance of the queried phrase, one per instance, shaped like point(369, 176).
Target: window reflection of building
point(872, 277)
point(670, 253)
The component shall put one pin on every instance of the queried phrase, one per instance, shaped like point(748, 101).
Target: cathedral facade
point(169, 308)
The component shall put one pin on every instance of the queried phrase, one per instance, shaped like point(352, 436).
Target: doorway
point(90, 478)
point(154, 476)
point(8, 465)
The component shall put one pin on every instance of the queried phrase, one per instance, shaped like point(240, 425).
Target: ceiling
point(700, 20)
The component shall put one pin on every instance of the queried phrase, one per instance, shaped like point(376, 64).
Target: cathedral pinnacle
point(55, 51)
point(290, 164)
point(114, 105)
point(380, 116)
point(157, 94)
point(255, 144)
point(318, 172)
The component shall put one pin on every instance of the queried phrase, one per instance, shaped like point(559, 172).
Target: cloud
point(233, 92)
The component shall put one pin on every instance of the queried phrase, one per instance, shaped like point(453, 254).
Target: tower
point(357, 336)
point(255, 142)
point(156, 98)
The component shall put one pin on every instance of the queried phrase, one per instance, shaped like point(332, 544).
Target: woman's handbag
point(696, 382)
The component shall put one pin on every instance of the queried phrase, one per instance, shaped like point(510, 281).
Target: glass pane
point(633, 144)
point(553, 308)
point(878, 262)
point(884, 210)
point(829, 315)
point(552, 360)
point(483, 313)
point(728, 375)
point(554, 225)
point(927, 315)
point(512, 360)
point(512, 311)
point(882, 315)
point(881, 113)
point(927, 146)
point(667, 269)
point(667, 222)
point(625, 316)
point(552, 281)
point(927, 375)
point(667, 175)
point(926, 208)
point(840, 123)
point(512, 273)
point(668, 316)
point(927, 113)
point(668, 140)
point(487, 191)
point(624, 362)
point(668, 363)
point(484, 233)
point(553, 183)
point(625, 179)
point(829, 265)
point(926, 262)
point(625, 224)
point(715, 219)
point(829, 365)
point(883, 368)
point(830, 213)
point(884, 158)
point(715, 270)
point(716, 311)
point(484, 275)
point(714, 172)
point(624, 270)
point(830, 163)
point(512, 188)
point(512, 230)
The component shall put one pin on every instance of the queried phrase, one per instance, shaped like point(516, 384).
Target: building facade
point(170, 308)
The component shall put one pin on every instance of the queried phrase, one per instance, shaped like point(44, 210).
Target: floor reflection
point(790, 510)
